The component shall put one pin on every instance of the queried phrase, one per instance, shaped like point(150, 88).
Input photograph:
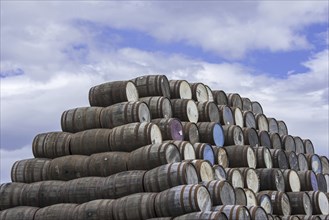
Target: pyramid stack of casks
point(153, 148)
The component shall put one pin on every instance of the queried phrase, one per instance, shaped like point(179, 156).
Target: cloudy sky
point(52, 52)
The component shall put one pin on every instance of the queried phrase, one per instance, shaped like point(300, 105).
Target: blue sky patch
point(12, 72)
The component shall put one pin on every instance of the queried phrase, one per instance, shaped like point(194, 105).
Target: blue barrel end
point(218, 135)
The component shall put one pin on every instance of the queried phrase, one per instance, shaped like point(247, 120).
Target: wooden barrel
point(234, 100)
point(238, 116)
point(185, 148)
point(159, 106)
point(170, 175)
point(283, 130)
point(233, 212)
point(208, 112)
point(300, 203)
point(261, 122)
point(220, 173)
point(288, 143)
point(251, 179)
point(110, 93)
point(322, 183)
point(209, 92)
point(204, 170)
point(276, 141)
point(180, 89)
point(209, 215)
point(264, 139)
point(19, 213)
point(56, 212)
point(240, 196)
point(299, 144)
point(132, 136)
point(320, 202)
point(190, 132)
point(51, 144)
point(151, 156)
point(257, 212)
point(271, 179)
point(263, 157)
point(80, 119)
point(308, 181)
point(220, 97)
point(226, 115)
point(246, 104)
point(309, 148)
point(152, 85)
point(11, 195)
point(94, 210)
point(107, 163)
point(171, 128)
point(291, 181)
point(234, 176)
point(199, 92)
point(204, 151)
point(221, 156)
point(250, 137)
point(124, 113)
point(137, 206)
point(273, 126)
point(30, 170)
point(233, 135)
point(292, 160)
point(264, 201)
point(251, 197)
point(211, 132)
point(49, 192)
point(249, 120)
point(30, 195)
point(90, 141)
point(185, 110)
point(279, 159)
point(221, 192)
point(325, 164)
point(302, 162)
point(280, 202)
point(246, 156)
point(256, 107)
point(314, 162)
point(192, 198)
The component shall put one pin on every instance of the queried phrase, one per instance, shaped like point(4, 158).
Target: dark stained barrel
point(263, 157)
point(19, 213)
point(209, 92)
point(251, 179)
point(288, 143)
point(185, 148)
point(283, 130)
point(279, 159)
point(226, 115)
point(256, 107)
point(308, 181)
point(250, 137)
point(233, 135)
point(238, 116)
point(185, 110)
point(159, 106)
point(50, 192)
point(110, 93)
point(261, 122)
point(203, 169)
point(246, 104)
point(152, 85)
point(299, 145)
point(264, 139)
point(300, 203)
point(180, 89)
point(11, 195)
point(291, 181)
point(276, 141)
point(151, 156)
point(325, 164)
point(30, 195)
point(80, 119)
point(322, 183)
point(211, 132)
point(30, 170)
point(271, 179)
point(234, 100)
point(209, 215)
point(51, 144)
point(273, 126)
point(220, 173)
point(309, 148)
point(190, 132)
point(221, 156)
point(280, 202)
point(251, 197)
point(94, 210)
point(302, 162)
point(221, 192)
point(249, 120)
point(208, 112)
point(233, 211)
point(56, 212)
point(199, 92)
point(320, 202)
point(234, 176)
point(264, 201)
point(240, 196)
point(257, 212)
point(246, 156)
point(171, 128)
point(204, 151)
point(314, 162)
point(293, 160)
point(220, 97)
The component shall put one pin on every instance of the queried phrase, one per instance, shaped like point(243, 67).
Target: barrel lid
point(227, 115)
point(185, 90)
point(191, 175)
point(176, 129)
point(288, 143)
point(285, 204)
point(294, 181)
point(282, 159)
point(237, 180)
point(325, 165)
point(240, 196)
point(314, 181)
point(192, 111)
point(279, 180)
point(273, 126)
point(265, 202)
point(249, 119)
point(220, 173)
point(267, 158)
point(251, 159)
point(218, 135)
point(206, 171)
point(220, 97)
point(246, 104)
point(252, 180)
point(222, 157)
point(227, 193)
point(276, 141)
point(189, 152)
point(316, 163)
point(256, 107)
point(302, 162)
point(171, 153)
point(309, 148)
point(201, 93)
point(235, 100)
point(144, 112)
point(251, 136)
point(299, 145)
point(264, 139)
point(166, 108)
point(251, 198)
point(283, 130)
point(203, 199)
point(209, 92)
point(213, 112)
point(293, 160)
point(156, 136)
point(238, 135)
point(262, 123)
point(323, 203)
point(238, 117)
point(307, 203)
point(131, 92)
point(208, 154)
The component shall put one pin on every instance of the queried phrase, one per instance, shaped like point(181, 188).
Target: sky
point(52, 52)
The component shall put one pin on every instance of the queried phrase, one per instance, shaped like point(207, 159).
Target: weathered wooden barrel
point(276, 141)
point(288, 143)
point(283, 130)
point(49, 192)
point(261, 122)
point(280, 202)
point(190, 132)
point(250, 137)
point(279, 159)
point(192, 198)
point(325, 164)
point(221, 156)
point(204, 151)
point(19, 213)
point(314, 162)
point(204, 170)
point(124, 113)
point(233, 211)
point(263, 157)
point(273, 126)
point(302, 162)
point(185, 148)
point(257, 212)
point(246, 104)
point(30, 170)
point(308, 181)
point(199, 92)
point(90, 141)
point(234, 100)
point(185, 110)
point(246, 156)
point(299, 144)
point(220, 173)
point(11, 195)
point(251, 179)
point(137, 206)
point(30, 195)
point(170, 175)
point(221, 192)
point(209, 215)
point(132, 136)
point(110, 93)
point(208, 112)
point(171, 128)
point(180, 89)
point(240, 196)
point(249, 120)
point(107, 163)
point(226, 115)
point(159, 106)
point(211, 132)
point(94, 210)
point(251, 197)
point(322, 183)
point(154, 155)
point(264, 201)
point(292, 160)
point(233, 135)
point(220, 97)
point(320, 202)
point(300, 203)
point(309, 148)
point(51, 144)
point(271, 179)
point(56, 212)
point(234, 176)
point(152, 85)
point(264, 139)
point(80, 119)
point(209, 92)
point(256, 108)
point(291, 181)
point(238, 116)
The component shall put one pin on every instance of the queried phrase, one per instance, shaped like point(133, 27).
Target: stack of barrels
point(153, 148)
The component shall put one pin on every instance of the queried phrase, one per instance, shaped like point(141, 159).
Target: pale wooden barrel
point(271, 179)
point(185, 148)
point(264, 139)
point(256, 107)
point(240, 196)
point(11, 195)
point(171, 128)
point(251, 197)
point(249, 120)
point(19, 213)
point(314, 162)
point(185, 110)
point(293, 160)
point(234, 176)
point(152, 85)
point(234, 100)
point(199, 92)
point(233, 135)
point(220, 97)
point(238, 116)
point(261, 122)
point(251, 179)
point(159, 106)
point(182, 199)
point(233, 212)
point(190, 132)
point(257, 212)
point(250, 137)
point(94, 210)
point(263, 157)
point(80, 119)
point(273, 126)
point(132, 136)
point(325, 164)
point(309, 148)
point(208, 112)
point(50, 192)
point(110, 93)
point(170, 175)
point(204, 151)
point(137, 206)
point(51, 144)
point(209, 92)
point(264, 201)
point(30, 170)
point(246, 104)
point(246, 156)
point(288, 143)
point(124, 113)
point(226, 115)
point(211, 132)
point(299, 144)
point(203, 169)
point(154, 155)
point(279, 159)
point(308, 181)
point(320, 202)
point(276, 141)
point(280, 202)
point(322, 183)
point(300, 203)
point(221, 192)
point(180, 89)
point(56, 212)
point(221, 157)
point(209, 215)
point(302, 162)
point(291, 181)
point(283, 130)
point(90, 141)
point(220, 173)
